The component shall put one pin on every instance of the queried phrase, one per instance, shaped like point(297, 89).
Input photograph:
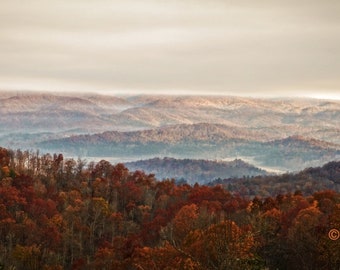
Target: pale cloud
point(225, 47)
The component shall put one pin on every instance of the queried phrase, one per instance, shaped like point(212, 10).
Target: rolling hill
point(194, 171)
point(306, 181)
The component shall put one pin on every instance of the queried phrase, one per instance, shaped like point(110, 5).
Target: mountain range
point(277, 134)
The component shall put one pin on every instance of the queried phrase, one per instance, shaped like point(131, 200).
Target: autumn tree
point(221, 246)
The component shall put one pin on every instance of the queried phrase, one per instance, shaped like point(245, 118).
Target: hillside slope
point(307, 181)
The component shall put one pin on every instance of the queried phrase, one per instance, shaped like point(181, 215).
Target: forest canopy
point(58, 213)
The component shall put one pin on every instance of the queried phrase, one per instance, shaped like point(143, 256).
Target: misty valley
point(284, 135)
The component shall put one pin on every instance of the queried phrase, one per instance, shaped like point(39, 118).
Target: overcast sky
point(241, 47)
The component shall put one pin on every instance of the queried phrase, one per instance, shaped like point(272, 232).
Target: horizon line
point(115, 93)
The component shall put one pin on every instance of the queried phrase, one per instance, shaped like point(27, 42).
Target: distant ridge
point(193, 132)
point(298, 140)
point(170, 134)
point(193, 170)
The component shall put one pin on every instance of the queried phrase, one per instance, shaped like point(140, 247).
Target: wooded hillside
point(67, 214)
point(195, 170)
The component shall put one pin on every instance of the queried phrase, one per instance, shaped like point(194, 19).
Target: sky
point(223, 47)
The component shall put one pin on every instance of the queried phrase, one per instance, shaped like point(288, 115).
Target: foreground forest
point(58, 213)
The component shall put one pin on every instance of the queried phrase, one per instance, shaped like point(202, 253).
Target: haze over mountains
point(283, 134)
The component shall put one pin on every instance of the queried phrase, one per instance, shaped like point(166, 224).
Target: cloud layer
point(223, 47)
